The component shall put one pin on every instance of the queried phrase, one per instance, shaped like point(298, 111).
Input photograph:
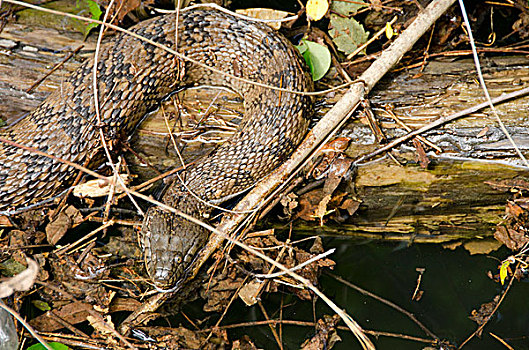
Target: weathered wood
point(450, 193)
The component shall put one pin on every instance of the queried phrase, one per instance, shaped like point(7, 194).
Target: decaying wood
point(385, 188)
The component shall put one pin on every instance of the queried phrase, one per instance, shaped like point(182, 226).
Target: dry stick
point(271, 326)
point(313, 324)
point(441, 121)
point(504, 343)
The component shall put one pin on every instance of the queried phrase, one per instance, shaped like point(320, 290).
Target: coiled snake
point(132, 77)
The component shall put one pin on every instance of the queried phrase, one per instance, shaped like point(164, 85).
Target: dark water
point(454, 283)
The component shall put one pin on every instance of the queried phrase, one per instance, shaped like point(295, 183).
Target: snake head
point(170, 244)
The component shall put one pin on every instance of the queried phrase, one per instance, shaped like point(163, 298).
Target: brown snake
point(132, 77)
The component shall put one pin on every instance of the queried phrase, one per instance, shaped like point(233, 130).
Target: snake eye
point(178, 259)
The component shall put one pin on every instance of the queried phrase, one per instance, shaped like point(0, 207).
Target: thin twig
point(489, 317)
point(484, 86)
point(442, 121)
point(384, 301)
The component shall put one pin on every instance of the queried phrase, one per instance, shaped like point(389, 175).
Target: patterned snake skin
point(133, 76)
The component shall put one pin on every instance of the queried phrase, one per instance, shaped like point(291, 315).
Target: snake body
point(132, 77)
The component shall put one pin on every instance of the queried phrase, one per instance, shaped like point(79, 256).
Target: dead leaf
point(338, 145)
point(56, 229)
point(20, 282)
point(483, 132)
point(249, 292)
point(317, 246)
point(4, 222)
point(337, 171)
point(321, 210)
point(421, 154)
point(289, 203)
point(104, 326)
point(512, 239)
point(268, 14)
point(350, 205)
point(316, 9)
point(485, 311)
point(72, 313)
point(245, 343)
point(99, 187)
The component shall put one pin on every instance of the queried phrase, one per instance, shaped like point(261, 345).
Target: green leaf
point(11, 267)
point(347, 8)
point(95, 13)
point(317, 56)
point(41, 305)
point(347, 33)
point(53, 345)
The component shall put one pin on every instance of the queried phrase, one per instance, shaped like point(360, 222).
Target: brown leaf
point(337, 171)
point(56, 229)
point(245, 343)
point(99, 187)
point(4, 222)
point(72, 313)
point(485, 311)
point(123, 7)
point(249, 292)
point(350, 205)
point(421, 154)
point(124, 304)
point(513, 239)
point(289, 203)
point(339, 145)
point(265, 13)
point(308, 203)
point(219, 293)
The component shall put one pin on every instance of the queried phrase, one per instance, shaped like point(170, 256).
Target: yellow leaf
point(389, 31)
point(316, 9)
point(503, 271)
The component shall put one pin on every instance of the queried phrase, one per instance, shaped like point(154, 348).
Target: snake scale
point(132, 77)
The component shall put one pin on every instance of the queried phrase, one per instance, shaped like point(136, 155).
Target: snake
point(133, 77)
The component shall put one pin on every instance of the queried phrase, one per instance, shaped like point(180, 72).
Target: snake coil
point(133, 76)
